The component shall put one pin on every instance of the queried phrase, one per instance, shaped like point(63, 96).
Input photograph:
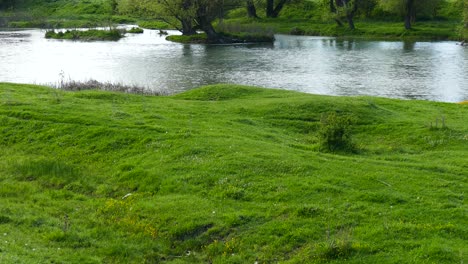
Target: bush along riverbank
point(230, 174)
point(86, 35)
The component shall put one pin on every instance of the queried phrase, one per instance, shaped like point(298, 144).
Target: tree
point(465, 22)
point(466, 15)
point(196, 14)
point(410, 14)
point(178, 13)
point(344, 8)
point(410, 9)
point(273, 10)
point(251, 9)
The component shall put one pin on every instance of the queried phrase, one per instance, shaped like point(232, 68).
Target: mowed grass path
point(228, 174)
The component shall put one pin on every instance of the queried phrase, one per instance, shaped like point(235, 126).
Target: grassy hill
point(229, 174)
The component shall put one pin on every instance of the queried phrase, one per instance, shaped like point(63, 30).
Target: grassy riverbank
point(301, 18)
point(428, 30)
point(229, 38)
point(228, 174)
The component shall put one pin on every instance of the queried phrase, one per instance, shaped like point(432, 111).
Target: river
point(435, 71)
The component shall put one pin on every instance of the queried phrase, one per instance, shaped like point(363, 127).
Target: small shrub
point(87, 35)
point(307, 211)
point(4, 219)
point(198, 38)
point(337, 247)
point(135, 30)
point(438, 124)
point(335, 133)
point(71, 85)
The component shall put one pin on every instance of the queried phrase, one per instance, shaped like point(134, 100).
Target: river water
point(435, 71)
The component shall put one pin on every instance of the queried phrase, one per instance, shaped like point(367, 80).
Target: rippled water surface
point(422, 70)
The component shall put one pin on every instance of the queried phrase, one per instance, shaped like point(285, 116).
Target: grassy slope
point(62, 14)
point(227, 174)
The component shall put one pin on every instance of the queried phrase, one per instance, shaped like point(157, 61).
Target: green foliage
point(154, 24)
point(227, 174)
point(465, 21)
point(135, 30)
point(334, 132)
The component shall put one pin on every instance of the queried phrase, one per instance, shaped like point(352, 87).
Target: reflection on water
point(422, 70)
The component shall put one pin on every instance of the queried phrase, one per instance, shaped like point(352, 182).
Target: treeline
point(191, 15)
point(465, 22)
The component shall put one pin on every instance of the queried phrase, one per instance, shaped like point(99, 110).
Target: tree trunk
point(270, 8)
point(205, 25)
point(466, 15)
point(408, 13)
point(349, 17)
point(333, 10)
point(251, 10)
point(273, 11)
point(279, 7)
point(350, 12)
point(187, 27)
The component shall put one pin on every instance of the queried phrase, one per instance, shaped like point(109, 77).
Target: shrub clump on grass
point(193, 39)
point(335, 133)
point(87, 35)
point(135, 30)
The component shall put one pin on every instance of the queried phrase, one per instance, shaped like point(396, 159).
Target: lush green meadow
point(229, 174)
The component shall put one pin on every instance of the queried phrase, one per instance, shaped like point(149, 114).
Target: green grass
point(135, 30)
point(193, 39)
point(230, 38)
point(228, 174)
point(434, 30)
point(87, 35)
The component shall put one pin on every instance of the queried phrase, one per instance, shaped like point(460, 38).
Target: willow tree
point(410, 9)
point(195, 15)
point(178, 13)
point(251, 9)
point(273, 8)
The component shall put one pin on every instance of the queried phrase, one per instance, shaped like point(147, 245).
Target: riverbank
point(427, 30)
point(224, 39)
point(423, 30)
point(230, 174)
